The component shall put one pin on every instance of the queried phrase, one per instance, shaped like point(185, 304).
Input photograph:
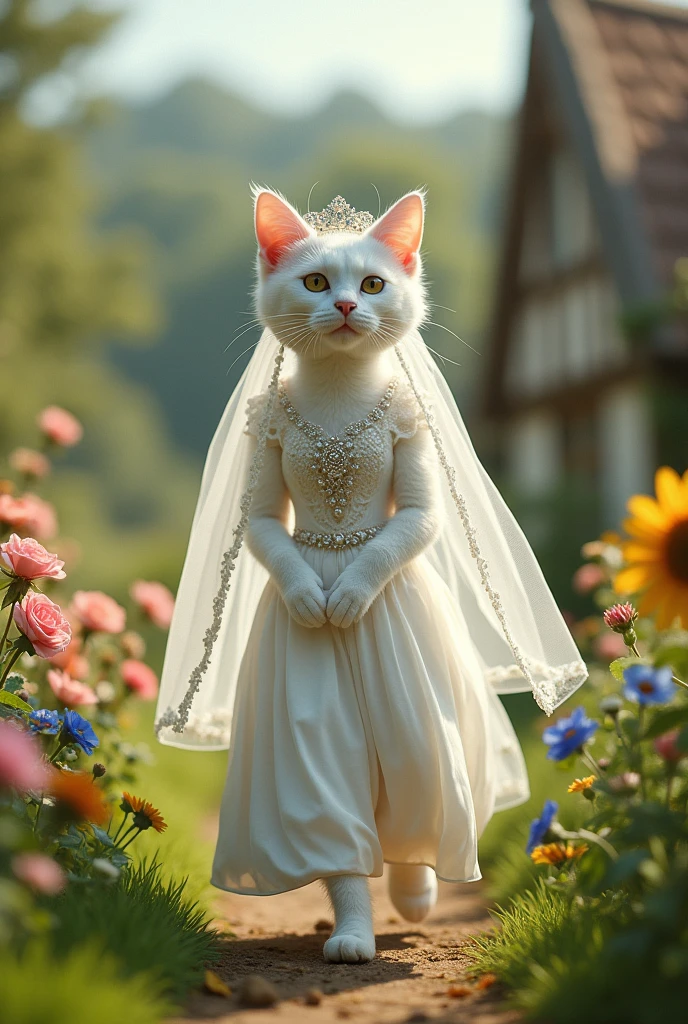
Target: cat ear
point(278, 226)
point(401, 228)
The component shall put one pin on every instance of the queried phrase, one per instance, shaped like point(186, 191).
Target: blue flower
point(80, 731)
point(45, 721)
point(568, 734)
point(540, 826)
point(647, 685)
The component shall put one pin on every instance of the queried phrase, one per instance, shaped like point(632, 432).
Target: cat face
point(340, 291)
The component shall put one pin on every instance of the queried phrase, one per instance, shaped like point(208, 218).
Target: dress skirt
point(354, 747)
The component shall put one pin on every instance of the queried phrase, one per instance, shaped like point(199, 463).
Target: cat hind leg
point(412, 890)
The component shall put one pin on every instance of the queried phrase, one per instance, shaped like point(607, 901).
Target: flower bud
point(98, 770)
point(611, 704)
point(620, 618)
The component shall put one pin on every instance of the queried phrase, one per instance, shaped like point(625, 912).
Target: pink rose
point(587, 578)
point(21, 765)
point(155, 600)
point(70, 691)
point(140, 678)
point(29, 462)
point(28, 515)
point(60, 426)
point(70, 660)
point(29, 559)
point(42, 621)
point(665, 745)
point(98, 612)
point(133, 645)
point(40, 872)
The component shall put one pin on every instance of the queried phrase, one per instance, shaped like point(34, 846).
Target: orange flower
point(556, 853)
point(77, 791)
point(578, 785)
point(657, 554)
point(145, 815)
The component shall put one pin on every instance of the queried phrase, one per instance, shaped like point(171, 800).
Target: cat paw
point(349, 600)
point(349, 948)
point(305, 603)
point(413, 891)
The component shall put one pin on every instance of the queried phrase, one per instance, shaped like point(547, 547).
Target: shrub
point(145, 921)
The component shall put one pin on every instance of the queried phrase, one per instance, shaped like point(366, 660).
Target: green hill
point(179, 168)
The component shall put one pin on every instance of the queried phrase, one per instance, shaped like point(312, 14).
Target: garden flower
point(587, 578)
point(106, 868)
point(46, 722)
point(657, 554)
point(43, 623)
point(21, 764)
point(609, 646)
point(70, 691)
point(98, 612)
point(30, 560)
point(568, 734)
point(578, 785)
point(71, 660)
point(556, 853)
point(140, 678)
point(28, 514)
point(60, 426)
point(79, 731)
point(40, 872)
point(76, 792)
point(666, 747)
point(611, 704)
point(155, 600)
point(145, 815)
point(133, 645)
point(647, 685)
point(626, 783)
point(29, 462)
point(540, 826)
point(620, 617)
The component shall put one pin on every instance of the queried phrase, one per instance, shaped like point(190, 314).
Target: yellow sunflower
point(556, 853)
point(657, 555)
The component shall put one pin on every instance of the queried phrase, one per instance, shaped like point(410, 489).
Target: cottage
point(587, 372)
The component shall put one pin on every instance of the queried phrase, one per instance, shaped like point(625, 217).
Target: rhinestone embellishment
point(350, 539)
point(339, 216)
point(334, 457)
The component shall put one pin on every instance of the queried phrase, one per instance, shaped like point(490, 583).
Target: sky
point(417, 59)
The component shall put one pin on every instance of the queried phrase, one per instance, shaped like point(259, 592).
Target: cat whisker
point(254, 345)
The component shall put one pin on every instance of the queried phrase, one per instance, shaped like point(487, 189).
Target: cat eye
point(372, 285)
point(316, 282)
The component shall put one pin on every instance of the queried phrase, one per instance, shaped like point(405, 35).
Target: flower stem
point(132, 838)
point(10, 663)
point(7, 627)
point(125, 834)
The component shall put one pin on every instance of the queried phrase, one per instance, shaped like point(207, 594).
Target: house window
point(571, 215)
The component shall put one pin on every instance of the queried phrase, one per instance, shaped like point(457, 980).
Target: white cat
point(340, 301)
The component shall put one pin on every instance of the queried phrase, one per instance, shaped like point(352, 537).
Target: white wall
point(626, 440)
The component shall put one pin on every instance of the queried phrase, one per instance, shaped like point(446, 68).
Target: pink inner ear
point(277, 226)
point(401, 228)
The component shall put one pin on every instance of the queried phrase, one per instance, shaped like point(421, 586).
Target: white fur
point(339, 377)
point(352, 940)
point(412, 890)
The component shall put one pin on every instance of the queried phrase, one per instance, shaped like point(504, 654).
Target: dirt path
point(418, 974)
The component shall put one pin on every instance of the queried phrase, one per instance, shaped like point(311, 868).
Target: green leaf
point(102, 836)
point(663, 721)
point(15, 702)
point(69, 842)
point(617, 667)
point(14, 682)
point(682, 740)
point(675, 656)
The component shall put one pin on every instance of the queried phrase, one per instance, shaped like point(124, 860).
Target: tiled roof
point(646, 49)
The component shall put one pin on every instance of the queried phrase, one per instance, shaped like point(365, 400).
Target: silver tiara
point(339, 216)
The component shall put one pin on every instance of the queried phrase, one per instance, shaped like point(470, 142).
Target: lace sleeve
point(255, 409)
point(405, 416)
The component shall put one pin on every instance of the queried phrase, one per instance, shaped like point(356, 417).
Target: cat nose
point(345, 307)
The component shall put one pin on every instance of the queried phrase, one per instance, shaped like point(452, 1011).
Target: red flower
point(620, 617)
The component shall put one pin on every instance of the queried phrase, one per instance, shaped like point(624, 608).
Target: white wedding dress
point(379, 742)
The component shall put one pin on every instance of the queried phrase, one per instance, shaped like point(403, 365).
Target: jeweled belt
point(339, 539)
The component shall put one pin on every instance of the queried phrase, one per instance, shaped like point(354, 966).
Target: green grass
point(147, 922)
point(83, 985)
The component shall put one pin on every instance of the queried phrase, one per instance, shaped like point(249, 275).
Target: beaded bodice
point(340, 481)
